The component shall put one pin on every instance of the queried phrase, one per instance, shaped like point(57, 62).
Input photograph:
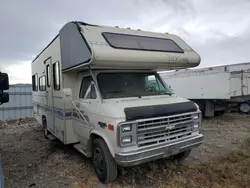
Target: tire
point(244, 107)
point(45, 130)
point(104, 163)
point(181, 156)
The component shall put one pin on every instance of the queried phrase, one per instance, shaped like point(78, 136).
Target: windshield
point(119, 85)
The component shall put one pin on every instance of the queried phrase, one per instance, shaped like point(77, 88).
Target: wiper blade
point(116, 91)
point(166, 93)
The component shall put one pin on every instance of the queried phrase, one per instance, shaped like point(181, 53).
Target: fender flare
point(107, 141)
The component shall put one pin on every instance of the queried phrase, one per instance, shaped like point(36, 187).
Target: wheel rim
point(98, 160)
point(244, 107)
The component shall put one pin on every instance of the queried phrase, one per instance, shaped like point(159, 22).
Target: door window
point(84, 86)
point(91, 92)
point(56, 75)
point(154, 84)
point(48, 75)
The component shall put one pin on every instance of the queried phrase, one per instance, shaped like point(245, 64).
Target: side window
point(47, 62)
point(84, 86)
point(151, 83)
point(48, 75)
point(91, 92)
point(56, 75)
point(35, 82)
point(42, 84)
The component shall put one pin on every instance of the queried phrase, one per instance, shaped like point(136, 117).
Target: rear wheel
point(245, 107)
point(104, 163)
point(181, 156)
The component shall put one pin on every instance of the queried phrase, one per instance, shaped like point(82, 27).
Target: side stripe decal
point(68, 114)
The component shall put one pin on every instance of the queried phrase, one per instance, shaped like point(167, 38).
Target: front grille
point(165, 129)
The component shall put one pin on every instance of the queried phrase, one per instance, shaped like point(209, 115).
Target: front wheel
point(104, 163)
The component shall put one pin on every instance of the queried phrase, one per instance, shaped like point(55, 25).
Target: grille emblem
point(169, 127)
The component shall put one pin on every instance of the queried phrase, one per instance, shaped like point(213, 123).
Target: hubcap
point(244, 107)
point(98, 160)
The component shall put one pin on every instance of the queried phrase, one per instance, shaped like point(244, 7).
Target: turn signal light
point(111, 127)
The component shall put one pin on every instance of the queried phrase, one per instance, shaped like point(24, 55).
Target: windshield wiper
point(116, 91)
point(166, 93)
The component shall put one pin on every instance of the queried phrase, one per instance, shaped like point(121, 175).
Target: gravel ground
point(30, 160)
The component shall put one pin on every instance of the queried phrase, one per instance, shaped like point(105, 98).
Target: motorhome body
point(97, 87)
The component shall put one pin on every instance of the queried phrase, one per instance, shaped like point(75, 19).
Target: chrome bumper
point(127, 159)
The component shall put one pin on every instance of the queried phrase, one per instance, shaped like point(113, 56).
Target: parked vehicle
point(4, 85)
point(4, 98)
point(214, 89)
point(91, 88)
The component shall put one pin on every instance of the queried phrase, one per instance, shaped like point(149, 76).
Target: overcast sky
point(219, 30)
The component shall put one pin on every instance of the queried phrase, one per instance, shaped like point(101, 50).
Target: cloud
point(218, 30)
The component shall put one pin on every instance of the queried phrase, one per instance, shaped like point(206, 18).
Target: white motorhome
point(97, 88)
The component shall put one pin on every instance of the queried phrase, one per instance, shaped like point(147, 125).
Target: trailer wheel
point(104, 163)
point(245, 107)
point(45, 129)
point(181, 156)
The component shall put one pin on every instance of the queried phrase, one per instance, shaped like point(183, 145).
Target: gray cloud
point(218, 30)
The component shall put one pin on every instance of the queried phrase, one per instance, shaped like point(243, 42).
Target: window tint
point(42, 84)
point(84, 86)
point(35, 82)
point(134, 42)
point(56, 76)
point(48, 75)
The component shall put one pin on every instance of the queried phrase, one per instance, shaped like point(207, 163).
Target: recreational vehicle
point(97, 88)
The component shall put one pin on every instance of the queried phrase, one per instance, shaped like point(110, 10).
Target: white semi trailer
point(92, 88)
point(214, 89)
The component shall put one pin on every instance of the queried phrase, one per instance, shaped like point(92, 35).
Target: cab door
point(49, 96)
point(87, 105)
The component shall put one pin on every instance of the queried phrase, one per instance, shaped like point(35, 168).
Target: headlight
point(196, 117)
point(126, 128)
point(127, 140)
point(196, 125)
point(127, 134)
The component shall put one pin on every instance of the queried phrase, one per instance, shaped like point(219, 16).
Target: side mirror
point(4, 98)
point(4, 81)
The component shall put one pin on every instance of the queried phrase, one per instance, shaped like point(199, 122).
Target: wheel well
point(93, 136)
